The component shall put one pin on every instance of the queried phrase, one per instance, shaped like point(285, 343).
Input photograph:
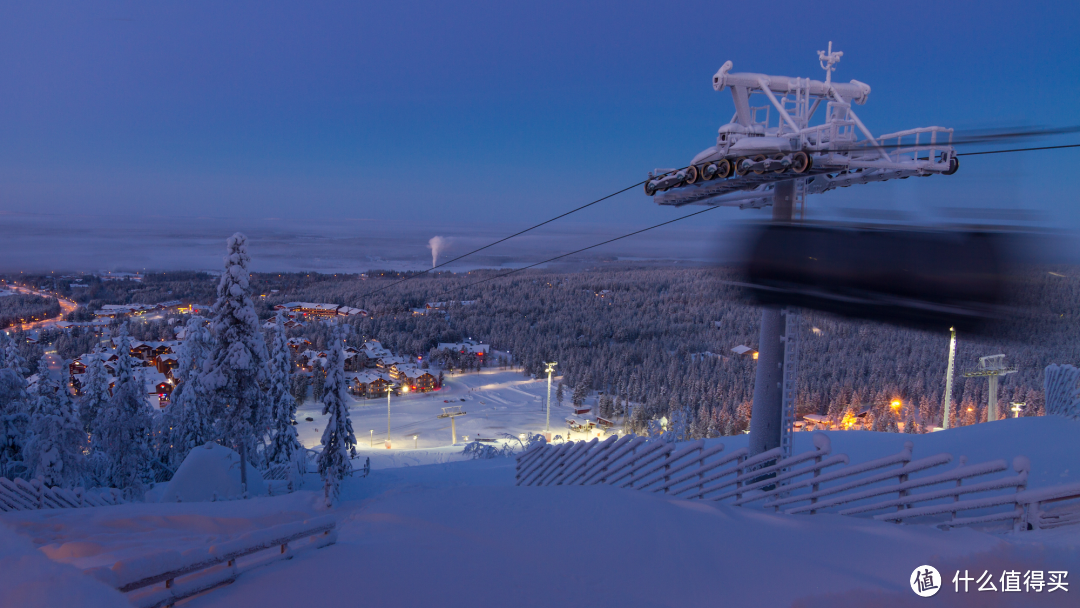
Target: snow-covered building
point(194, 309)
point(387, 363)
point(113, 311)
point(467, 346)
point(320, 309)
point(79, 364)
point(166, 364)
point(148, 351)
point(97, 326)
point(158, 384)
point(298, 343)
point(309, 357)
point(745, 351)
point(368, 383)
point(415, 378)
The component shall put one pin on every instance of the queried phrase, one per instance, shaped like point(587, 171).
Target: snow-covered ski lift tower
point(777, 154)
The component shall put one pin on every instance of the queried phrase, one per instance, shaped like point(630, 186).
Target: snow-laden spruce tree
point(318, 380)
point(94, 389)
point(909, 419)
point(284, 446)
point(581, 391)
point(14, 406)
point(55, 450)
point(338, 440)
point(235, 370)
point(189, 422)
point(121, 430)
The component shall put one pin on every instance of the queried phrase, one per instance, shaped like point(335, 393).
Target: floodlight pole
point(389, 389)
point(949, 377)
point(550, 368)
point(767, 412)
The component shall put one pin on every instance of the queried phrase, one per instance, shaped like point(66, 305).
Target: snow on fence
point(164, 578)
point(22, 495)
point(886, 488)
point(1051, 507)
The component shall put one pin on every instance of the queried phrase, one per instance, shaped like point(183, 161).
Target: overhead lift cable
point(507, 238)
point(1019, 150)
point(559, 257)
point(625, 235)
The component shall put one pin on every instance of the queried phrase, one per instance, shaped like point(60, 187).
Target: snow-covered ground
point(496, 402)
point(460, 533)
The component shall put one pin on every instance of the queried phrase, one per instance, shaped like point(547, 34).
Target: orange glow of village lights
point(896, 403)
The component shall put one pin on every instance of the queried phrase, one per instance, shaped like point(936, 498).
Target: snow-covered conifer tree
point(318, 380)
point(559, 396)
point(284, 446)
point(55, 449)
point(186, 422)
point(338, 440)
point(121, 430)
point(236, 367)
point(94, 389)
point(909, 419)
point(299, 386)
point(14, 417)
point(581, 391)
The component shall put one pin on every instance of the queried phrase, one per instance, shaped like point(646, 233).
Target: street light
point(389, 389)
point(547, 425)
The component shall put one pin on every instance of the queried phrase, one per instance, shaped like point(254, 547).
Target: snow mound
point(211, 472)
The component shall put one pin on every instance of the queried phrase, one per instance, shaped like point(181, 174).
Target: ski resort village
point(539, 304)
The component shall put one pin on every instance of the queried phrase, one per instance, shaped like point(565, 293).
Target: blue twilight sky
point(483, 111)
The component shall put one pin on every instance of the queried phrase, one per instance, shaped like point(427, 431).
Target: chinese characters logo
point(925, 581)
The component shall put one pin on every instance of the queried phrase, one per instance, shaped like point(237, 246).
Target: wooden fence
point(164, 578)
point(22, 495)
point(894, 488)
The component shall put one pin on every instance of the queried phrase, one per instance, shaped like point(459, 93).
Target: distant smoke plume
point(437, 244)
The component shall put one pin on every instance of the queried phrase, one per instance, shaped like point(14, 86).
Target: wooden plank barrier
point(164, 578)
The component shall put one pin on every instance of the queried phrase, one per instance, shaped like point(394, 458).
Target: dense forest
point(15, 309)
point(662, 339)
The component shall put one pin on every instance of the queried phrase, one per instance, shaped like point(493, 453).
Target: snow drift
point(30, 579)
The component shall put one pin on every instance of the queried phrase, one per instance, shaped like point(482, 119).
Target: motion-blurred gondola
point(924, 278)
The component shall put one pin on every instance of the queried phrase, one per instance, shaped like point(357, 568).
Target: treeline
point(16, 309)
